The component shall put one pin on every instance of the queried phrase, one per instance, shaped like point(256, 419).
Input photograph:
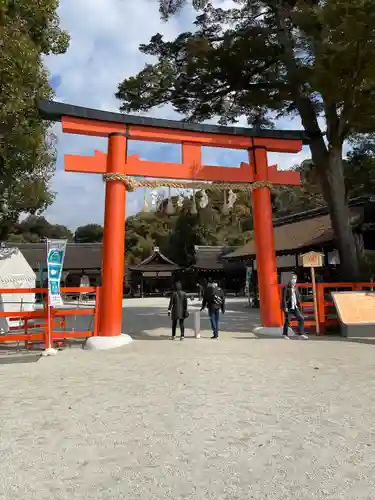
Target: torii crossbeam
point(120, 128)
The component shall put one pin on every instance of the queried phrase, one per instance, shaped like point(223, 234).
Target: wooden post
point(97, 311)
point(313, 260)
point(312, 269)
point(48, 339)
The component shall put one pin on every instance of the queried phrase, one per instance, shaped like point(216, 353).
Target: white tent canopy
point(15, 272)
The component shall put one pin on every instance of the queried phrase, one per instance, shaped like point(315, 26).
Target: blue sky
point(105, 35)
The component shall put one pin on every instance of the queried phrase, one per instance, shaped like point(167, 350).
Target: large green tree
point(273, 58)
point(29, 31)
point(91, 233)
point(359, 174)
point(143, 232)
point(360, 168)
point(177, 234)
point(34, 229)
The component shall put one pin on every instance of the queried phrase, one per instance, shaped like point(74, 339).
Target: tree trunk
point(333, 184)
point(327, 160)
point(5, 227)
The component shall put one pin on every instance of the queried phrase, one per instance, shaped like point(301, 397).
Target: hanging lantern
point(154, 198)
point(232, 197)
point(193, 209)
point(225, 209)
point(180, 199)
point(145, 204)
point(203, 202)
point(169, 209)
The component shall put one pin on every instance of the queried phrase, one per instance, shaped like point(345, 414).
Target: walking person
point(178, 310)
point(214, 300)
point(291, 306)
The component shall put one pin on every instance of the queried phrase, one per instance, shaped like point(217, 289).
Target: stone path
point(238, 418)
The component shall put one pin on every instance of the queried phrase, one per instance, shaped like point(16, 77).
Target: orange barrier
point(326, 310)
point(47, 319)
point(327, 315)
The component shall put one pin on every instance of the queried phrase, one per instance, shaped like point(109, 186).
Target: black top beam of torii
point(54, 111)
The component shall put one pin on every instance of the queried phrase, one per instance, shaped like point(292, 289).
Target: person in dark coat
point(291, 306)
point(214, 300)
point(178, 310)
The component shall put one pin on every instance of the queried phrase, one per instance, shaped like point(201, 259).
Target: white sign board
point(312, 259)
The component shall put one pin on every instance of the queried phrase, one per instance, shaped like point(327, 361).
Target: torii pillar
point(264, 242)
point(110, 320)
point(118, 128)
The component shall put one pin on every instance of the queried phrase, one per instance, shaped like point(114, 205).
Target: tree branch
point(351, 90)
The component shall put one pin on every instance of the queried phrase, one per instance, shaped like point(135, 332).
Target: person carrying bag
point(214, 300)
point(178, 310)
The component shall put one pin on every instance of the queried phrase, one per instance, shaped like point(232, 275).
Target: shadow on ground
point(314, 338)
point(146, 336)
point(12, 357)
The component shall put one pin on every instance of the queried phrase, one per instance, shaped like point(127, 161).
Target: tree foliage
point(177, 235)
point(272, 58)
point(91, 233)
point(29, 31)
point(359, 173)
point(35, 229)
point(360, 168)
point(144, 231)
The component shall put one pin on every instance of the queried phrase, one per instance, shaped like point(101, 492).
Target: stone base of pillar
point(102, 343)
point(272, 331)
point(50, 351)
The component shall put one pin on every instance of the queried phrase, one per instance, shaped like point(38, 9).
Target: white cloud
point(105, 35)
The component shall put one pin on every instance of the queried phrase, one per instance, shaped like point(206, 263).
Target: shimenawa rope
point(132, 184)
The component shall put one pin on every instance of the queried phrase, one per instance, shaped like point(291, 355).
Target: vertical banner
point(249, 273)
point(55, 261)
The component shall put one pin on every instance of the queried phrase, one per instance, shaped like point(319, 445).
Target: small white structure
point(15, 272)
point(197, 324)
point(84, 283)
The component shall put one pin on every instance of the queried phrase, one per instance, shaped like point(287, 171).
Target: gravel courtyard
point(238, 418)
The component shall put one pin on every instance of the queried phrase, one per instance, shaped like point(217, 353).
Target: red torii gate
point(119, 128)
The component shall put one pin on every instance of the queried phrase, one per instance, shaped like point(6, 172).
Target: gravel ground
point(238, 418)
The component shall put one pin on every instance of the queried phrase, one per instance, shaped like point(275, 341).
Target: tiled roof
point(155, 262)
point(304, 233)
point(78, 255)
point(211, 257)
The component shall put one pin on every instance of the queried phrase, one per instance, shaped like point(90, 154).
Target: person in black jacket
point(214, 300)
point(291, 306)
point(178, 310)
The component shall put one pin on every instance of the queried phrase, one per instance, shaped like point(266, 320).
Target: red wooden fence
point(39, 326)
point(327, 315)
